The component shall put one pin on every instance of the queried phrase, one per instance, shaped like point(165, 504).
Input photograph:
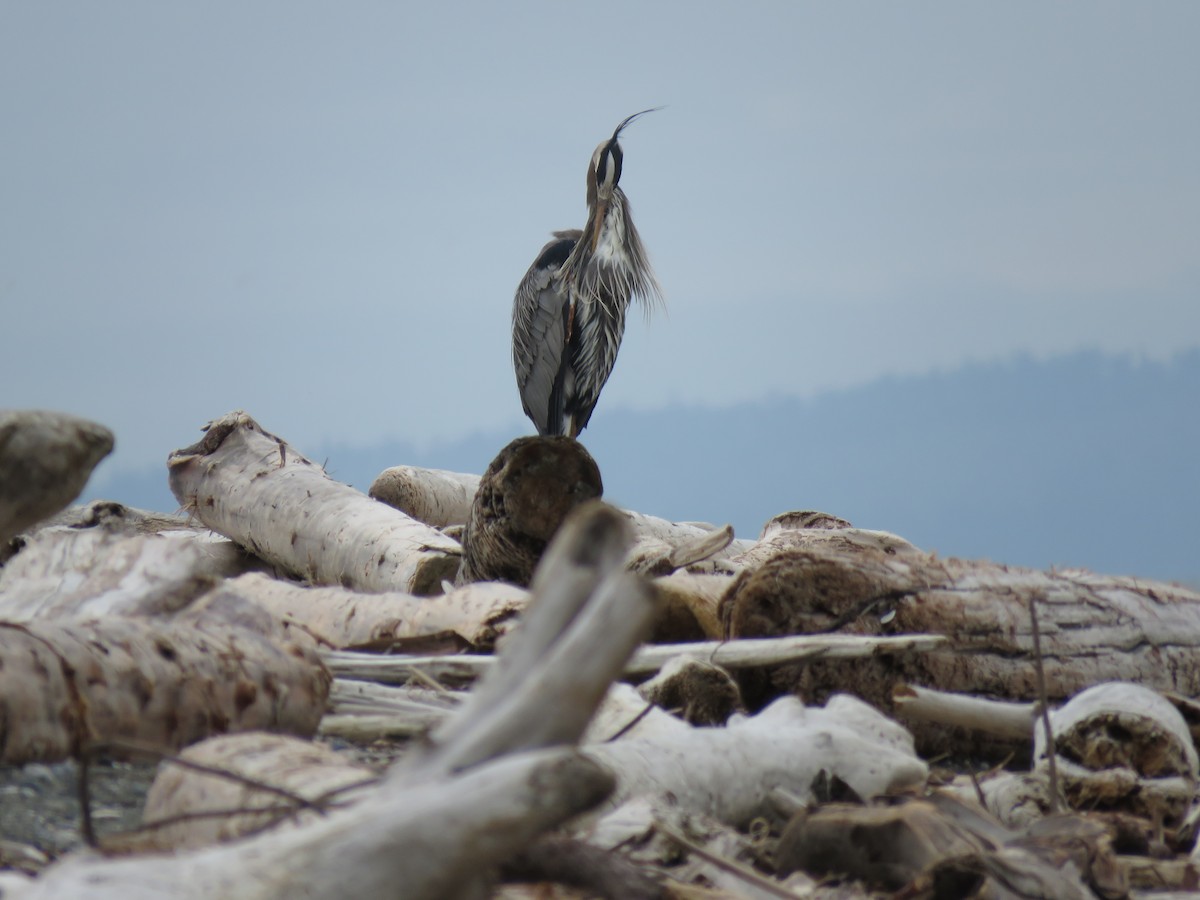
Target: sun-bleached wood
point(1002, 718)
point(165, 683)
point(257, 490)
point(110, 570)
point(478, 613)
point(426, 841)
point(46, 458)
point(745, 653)
point(586, 617)
point(436, 497)
point(549, 678)
point(721, 771)
point(690, 606)
point(209, 808)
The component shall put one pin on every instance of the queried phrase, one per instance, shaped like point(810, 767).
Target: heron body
point(569, 310)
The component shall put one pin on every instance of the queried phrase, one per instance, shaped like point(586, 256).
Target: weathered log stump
point(46, 459)
point(524, 496)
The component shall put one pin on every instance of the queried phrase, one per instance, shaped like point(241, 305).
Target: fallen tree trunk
point(433, 496)
point(255, 489)
point(385, 845)
point(109, 570)
point(167, 684)
point(382, 848)
point(189, 806)
point(476, 613)
point(1094, 628)
point(46, 458)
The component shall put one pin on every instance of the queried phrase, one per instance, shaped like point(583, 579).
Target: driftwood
point(67, 685)
point(380, 848)
point(109, 569)
point(364, 712)
point(443, 499)
point(690, 606)
point(1123, 747)
point(433, 496)
point(46, 458)
point(740, 654)
point(190, 806)
point(475, 613)
point(523, 498)
point(255, 489)
point(809, 528)
point(540, 694)
point(939, 847)
point(787, 743)
point(1093, 628)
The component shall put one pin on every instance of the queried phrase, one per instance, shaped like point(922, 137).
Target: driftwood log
point(110, 569)
point(199, 804)
point(1094, 628)
point(46, 459)
point(65, 685)
point(542, 694)
point(524, 496)
point(434, 496)
point(475, 615)
point(254, 488)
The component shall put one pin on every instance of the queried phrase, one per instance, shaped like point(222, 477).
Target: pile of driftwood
point(579, 700)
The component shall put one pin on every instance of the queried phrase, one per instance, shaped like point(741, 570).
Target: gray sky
point(319, 212)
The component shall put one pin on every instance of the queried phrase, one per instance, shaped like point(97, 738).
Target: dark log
point(524, 496)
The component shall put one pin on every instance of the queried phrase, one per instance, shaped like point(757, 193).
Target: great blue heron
point(569, 311)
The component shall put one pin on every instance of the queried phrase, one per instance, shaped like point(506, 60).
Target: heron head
point(604, 172)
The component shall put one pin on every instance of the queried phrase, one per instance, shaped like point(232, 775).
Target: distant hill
point(1086, 459)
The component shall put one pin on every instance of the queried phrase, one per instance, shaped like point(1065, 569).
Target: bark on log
point(523, 498)
point(1094, 628)
point(110, 570)
point(254, 488)
point(46, 458)
point(168, 684)
point(476, 613)
point(434, 496)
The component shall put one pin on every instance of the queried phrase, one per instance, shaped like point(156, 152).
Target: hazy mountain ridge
point(1086, 459)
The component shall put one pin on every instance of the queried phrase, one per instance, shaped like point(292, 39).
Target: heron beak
point(601, 212)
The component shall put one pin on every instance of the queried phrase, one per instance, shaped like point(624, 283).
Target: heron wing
point(541, 314)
